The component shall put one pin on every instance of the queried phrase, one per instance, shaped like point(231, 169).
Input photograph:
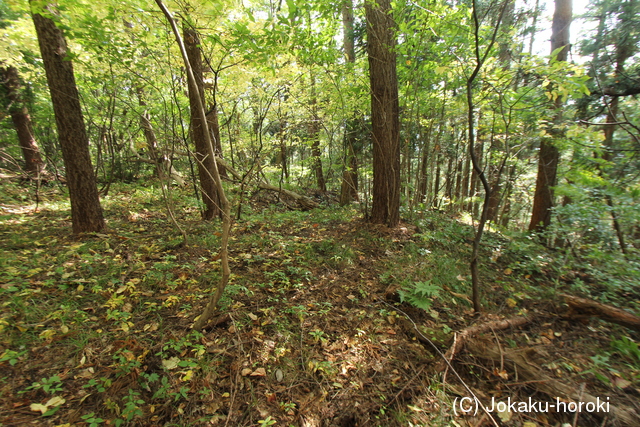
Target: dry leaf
point(260, 372)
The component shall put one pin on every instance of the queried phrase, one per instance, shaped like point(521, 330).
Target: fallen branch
point(304, 201)
point(606, 312)
point(463, 337)
point(536, 378)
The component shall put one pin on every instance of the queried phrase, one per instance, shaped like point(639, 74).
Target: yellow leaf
point(37, 407)
point(511, 302)
point(80, 288)
point(55, 401)
point(187, 376)
point(46, 334)
point(507, 271)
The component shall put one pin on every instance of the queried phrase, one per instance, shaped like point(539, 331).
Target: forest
point(333, 213)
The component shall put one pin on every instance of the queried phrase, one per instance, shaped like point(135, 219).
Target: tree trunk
point(349, 187)
point(86, 212)
point(21, 119)
point(204, 156)
point(314, 133)
point(549, 155)
point(384, 113)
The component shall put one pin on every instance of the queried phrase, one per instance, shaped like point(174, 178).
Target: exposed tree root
point(530, 372)
point(606, 312)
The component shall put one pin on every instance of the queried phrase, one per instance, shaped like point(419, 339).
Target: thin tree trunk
point(204, 154)
point(314, 133)
point(86, 212)
point(214, 298)
point(21, 119)
point(349, 187)
point(480, 59)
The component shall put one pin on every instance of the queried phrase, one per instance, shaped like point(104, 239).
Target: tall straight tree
point(384, 112)
point(349, 186)
point(86, 212)
point(204, 156)
point(549, 155)
point(21, 121)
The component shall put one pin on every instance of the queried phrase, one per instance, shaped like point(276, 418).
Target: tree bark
point(21, 119)
point(606, 312)
point(384, 113)
point(314, 133)
point(204, 155)
point(86, 212)
point(214, 298)
point(349, 187)
point(549, 156)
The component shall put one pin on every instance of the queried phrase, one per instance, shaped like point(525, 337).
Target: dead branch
point(589, 307)
point(304, 201)
point(537, 379)
point(463, 337)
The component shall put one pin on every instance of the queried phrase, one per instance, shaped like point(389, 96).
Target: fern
point(419, 294)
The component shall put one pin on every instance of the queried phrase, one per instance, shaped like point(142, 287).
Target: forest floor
point(96, 330)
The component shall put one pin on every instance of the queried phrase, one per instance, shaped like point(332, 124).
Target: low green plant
point(92, 419)
point(101, 385)
point(50, 385)
point(628, 350)
point(131, 410)
point(419, 294)
point(267, 421)
point(12, 356)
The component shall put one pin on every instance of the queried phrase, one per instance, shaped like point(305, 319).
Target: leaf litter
point(315, 332)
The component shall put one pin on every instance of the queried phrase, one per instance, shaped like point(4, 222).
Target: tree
point(22, 121)
point(86, 212)
point(549, 155)
point(204, 155)
point(349, 186)
point(384, 113)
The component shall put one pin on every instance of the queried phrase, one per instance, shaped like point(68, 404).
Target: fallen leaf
point(621, 383)
point(170, 364)
point(260, 372)
point(245, 372)
point(187, 376)
point(55, 401)
point(505, 416)
point(37, 407)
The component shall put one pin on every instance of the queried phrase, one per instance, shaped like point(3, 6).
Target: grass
point(105, 319)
